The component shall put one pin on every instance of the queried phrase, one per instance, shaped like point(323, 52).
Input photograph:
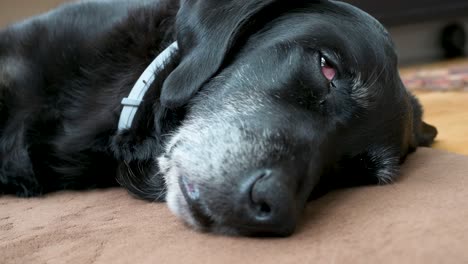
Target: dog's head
point(280, 95)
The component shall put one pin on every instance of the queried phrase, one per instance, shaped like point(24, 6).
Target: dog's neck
point(135, 98)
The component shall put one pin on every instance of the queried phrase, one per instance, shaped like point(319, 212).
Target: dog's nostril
point(261, 204)
point(265, 209)
point(267, 205)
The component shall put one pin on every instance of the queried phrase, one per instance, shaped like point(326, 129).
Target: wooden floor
point(448, 111)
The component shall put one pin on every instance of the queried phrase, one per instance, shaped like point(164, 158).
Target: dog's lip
point(192, 197)
point(189, 189)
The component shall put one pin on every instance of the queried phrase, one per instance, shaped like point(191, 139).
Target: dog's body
point(64, 75)
point(263, 102)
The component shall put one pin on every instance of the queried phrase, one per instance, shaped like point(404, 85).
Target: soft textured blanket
point(420, 219)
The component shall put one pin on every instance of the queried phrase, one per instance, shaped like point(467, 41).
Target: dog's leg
point(16, 170)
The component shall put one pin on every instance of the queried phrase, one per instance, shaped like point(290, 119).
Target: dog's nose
point(270, 208)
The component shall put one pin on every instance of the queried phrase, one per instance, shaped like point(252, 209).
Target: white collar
point(135, 98)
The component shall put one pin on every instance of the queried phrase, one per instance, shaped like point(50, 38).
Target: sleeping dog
point(246, 109)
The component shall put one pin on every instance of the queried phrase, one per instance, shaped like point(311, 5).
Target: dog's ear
point(206, 30)
point(424, 134)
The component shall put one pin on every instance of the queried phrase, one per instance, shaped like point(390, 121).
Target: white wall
point(420, 43)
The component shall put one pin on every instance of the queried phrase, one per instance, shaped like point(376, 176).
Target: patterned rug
point(446, 76)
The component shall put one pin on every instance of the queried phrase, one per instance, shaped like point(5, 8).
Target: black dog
point(263, 103)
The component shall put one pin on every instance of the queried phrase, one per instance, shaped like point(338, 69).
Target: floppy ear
point(206, 30)
point(424, 133)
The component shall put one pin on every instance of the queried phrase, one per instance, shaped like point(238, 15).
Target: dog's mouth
point(191, 193)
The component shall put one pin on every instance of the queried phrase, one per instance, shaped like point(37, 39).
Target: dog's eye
point(328, 70)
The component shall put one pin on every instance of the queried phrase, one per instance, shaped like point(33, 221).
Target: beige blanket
point(423, 218)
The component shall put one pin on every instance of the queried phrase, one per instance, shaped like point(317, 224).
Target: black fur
point(59, 117)
point(63, 76)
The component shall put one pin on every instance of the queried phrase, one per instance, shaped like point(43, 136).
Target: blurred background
point(430, 36)
point(423, 30)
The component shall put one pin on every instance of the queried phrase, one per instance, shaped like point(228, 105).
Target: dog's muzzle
point(262, 205)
